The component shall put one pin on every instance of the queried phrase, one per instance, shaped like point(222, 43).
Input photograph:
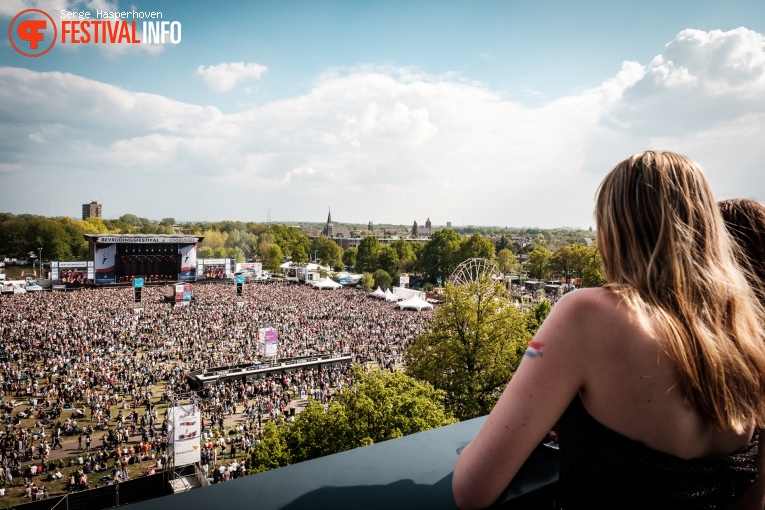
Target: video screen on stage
point(215, 272)
point(73, 277)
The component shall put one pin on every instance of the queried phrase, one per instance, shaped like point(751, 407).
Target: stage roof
point(143, 238)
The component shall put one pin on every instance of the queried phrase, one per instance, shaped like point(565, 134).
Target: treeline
point(549, 254)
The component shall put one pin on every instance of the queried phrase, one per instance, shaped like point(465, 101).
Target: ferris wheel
point(472, 270)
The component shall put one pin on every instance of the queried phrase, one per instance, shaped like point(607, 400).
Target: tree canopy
point(439, 257)
point(378, 406)
point(476, 341)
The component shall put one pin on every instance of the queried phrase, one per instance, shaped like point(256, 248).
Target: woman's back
point(629, 439)
point(632, 387)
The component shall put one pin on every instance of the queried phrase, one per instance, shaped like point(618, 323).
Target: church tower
point(427, 224)
point(329, 228)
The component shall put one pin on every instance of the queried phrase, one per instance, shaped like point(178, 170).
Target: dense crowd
point(93, 354)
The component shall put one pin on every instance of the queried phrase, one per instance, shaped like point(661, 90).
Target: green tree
point(93, 225)
point(265, 241)
point(271, 452)
point(439, 257)
point(475, 343)
point(387, 260)
point(538, 263)
point(205, 252)
point(299, 254)
point(274, 258)
point(407, 258)
point(506, 261)
point(415, 231)
point(367, 281)
point(168, 221)
point(366, 258)
point(289, 240)
point(235, 253)
point(593, 273)
point(378, 406)
point(213, 239)
point(570, 261)
point(131, 219)
point(328, 251)
point(382, 279)
point(349, 257)
point(537, 315)
point(476, 246)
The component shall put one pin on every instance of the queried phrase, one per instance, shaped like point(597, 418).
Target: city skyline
point(490, 114)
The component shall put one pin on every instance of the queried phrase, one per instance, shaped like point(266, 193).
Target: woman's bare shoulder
point(591, 303)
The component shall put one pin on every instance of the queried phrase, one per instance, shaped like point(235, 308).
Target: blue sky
point(485, 112)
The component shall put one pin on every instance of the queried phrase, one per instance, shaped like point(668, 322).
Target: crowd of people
point(95, 356)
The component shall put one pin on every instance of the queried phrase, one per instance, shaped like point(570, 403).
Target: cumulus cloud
point(394, 145)
point(702, 78)
point(226, 76)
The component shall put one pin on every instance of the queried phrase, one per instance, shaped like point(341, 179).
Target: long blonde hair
point(666, 252)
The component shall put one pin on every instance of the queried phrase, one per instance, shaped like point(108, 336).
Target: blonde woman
point(656, 380)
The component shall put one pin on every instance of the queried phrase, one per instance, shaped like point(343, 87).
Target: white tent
point(327, 284)
point(415, 303)
point(378, 293)
point(389, 296)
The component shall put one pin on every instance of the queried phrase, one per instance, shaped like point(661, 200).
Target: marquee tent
point(389, 296)
point(378, 293)
point(415, 303)
point(327, 284)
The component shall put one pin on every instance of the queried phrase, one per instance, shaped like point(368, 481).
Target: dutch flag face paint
point(535, 349)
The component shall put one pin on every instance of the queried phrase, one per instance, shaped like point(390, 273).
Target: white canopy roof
point(389, 296)
point(414, 302)
point(327, 284)
point(378, 293)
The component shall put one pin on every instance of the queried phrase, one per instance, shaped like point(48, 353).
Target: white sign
point(69, 265)
point(147, 240)
point(184, 434)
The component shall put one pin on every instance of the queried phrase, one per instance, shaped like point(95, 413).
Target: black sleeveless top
point(600, 468)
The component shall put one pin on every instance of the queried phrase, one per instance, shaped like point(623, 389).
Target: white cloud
point(226, 76)
point(701, 79)
point(394, 145)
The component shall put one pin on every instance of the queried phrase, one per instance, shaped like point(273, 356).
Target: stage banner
point(105, 255)
point(268, 341)
point(249, 267)
point(188, 262)
point(54, 272)
point(184, 434)
point(91, 270)
point(138, 283)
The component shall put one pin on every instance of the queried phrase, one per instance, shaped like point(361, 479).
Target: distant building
point(332, 231)
point(448, 224)
point(91, 210)
point(425, 231)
